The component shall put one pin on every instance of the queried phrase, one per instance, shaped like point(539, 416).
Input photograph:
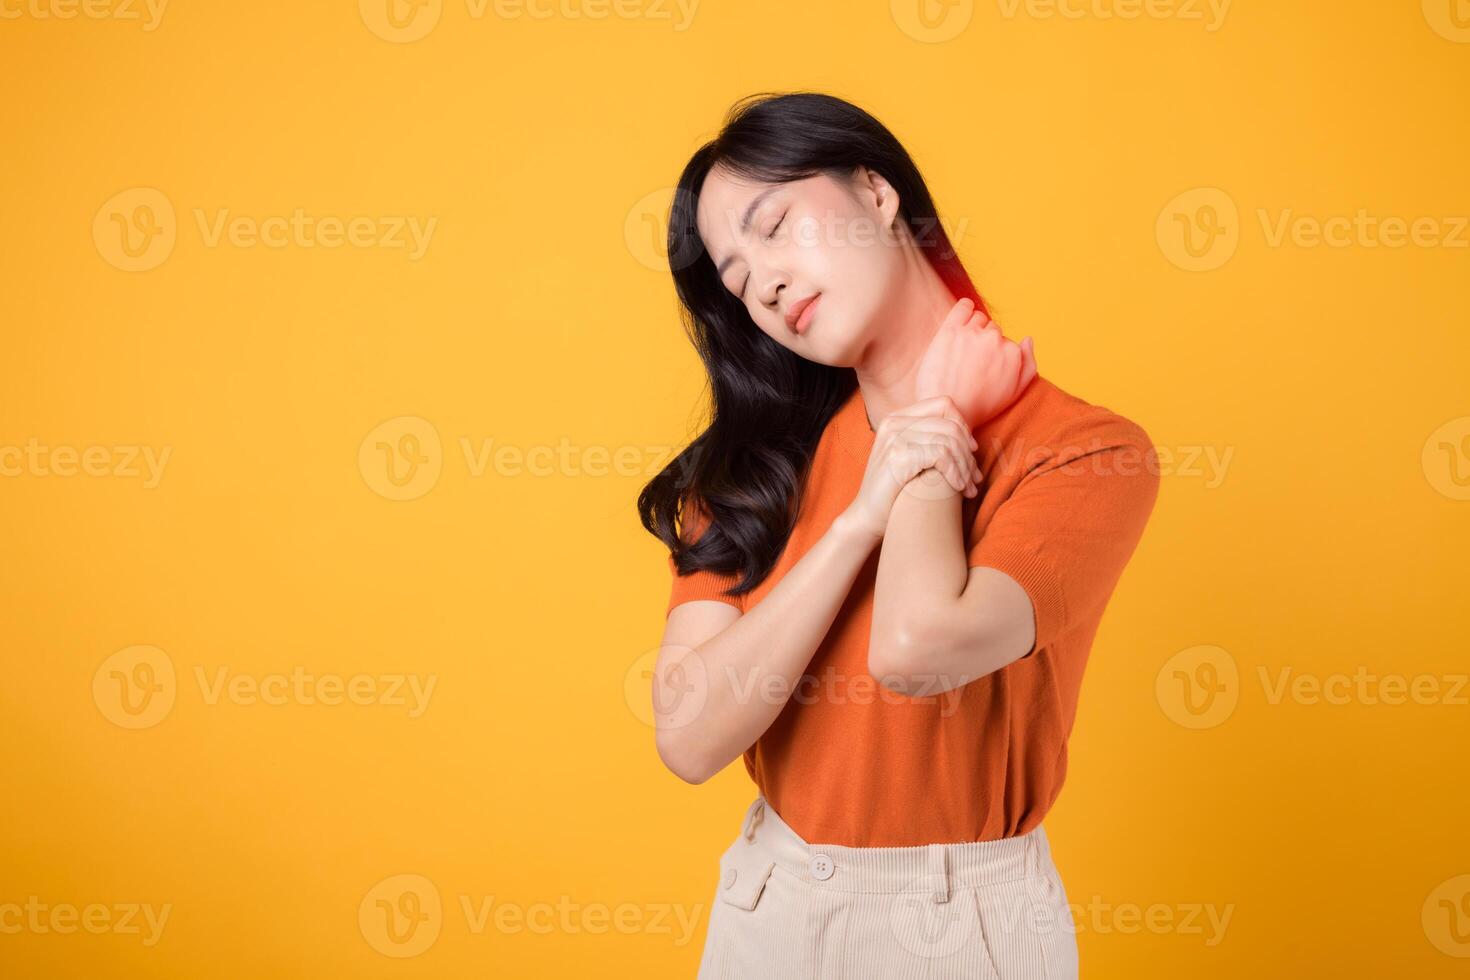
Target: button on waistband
point(821, 867)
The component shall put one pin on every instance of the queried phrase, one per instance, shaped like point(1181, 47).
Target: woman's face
point(807, 238)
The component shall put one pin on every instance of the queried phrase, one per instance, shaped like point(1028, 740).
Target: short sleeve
point(703, 584)
point(1071, 525)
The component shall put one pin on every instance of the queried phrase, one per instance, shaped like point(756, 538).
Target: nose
point(769, 292)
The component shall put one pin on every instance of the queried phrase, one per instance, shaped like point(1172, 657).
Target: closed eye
point(769, 236)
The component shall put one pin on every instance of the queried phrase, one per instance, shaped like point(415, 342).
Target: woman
point(890, 551)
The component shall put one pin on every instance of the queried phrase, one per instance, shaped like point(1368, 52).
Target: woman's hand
point(927, 434)
point(972, 362)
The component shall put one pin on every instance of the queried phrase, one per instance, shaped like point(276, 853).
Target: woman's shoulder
point(1047, 414)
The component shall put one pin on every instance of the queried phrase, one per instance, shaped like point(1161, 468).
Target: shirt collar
point(851, 424)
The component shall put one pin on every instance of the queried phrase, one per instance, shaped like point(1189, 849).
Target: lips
point(794, 316)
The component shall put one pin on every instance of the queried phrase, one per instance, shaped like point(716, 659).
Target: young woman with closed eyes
point(890, 549)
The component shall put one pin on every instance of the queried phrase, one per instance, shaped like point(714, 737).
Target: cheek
point(808, 234)
point(857, 278)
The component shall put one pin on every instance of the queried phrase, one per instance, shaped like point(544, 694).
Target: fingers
point(942, 424)
point(940, 458)
point(966, 465)
point(1028, 364)
point(953, 442)
point(959, 314)
point(947, 454)
point(990, 332)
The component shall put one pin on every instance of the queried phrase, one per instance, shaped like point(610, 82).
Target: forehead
point(723, 202)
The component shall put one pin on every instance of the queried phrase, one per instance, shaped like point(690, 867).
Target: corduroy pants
point(785, 908)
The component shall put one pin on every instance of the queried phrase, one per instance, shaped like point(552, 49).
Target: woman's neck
point(888, 367)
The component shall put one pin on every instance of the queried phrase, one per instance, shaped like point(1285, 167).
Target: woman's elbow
point(893, 658)
point(674, 752)
point(918, 660)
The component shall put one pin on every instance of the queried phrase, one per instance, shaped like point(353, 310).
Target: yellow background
point(1334, 540)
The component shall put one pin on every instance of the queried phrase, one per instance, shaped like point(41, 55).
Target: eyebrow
point(745, 226)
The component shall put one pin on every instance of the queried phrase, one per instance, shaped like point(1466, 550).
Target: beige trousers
point(786, 909)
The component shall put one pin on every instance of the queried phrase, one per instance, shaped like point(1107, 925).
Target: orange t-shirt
point(1068, 489)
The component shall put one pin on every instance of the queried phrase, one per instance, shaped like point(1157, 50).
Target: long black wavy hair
point(746, 472)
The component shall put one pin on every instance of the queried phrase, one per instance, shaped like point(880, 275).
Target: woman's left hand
point(973, 363)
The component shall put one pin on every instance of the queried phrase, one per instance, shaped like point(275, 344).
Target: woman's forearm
point(921, 572)
point(750, 669)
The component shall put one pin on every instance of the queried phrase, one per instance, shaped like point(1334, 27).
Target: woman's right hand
point(929, 434)
point(970, 360)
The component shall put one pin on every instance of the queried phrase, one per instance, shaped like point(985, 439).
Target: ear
point(875, 190)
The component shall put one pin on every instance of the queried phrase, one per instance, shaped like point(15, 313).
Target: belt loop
point(938, 874)
point(754, 818)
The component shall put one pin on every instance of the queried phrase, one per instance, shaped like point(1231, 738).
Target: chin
point(842, 346)
point(841, 353)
